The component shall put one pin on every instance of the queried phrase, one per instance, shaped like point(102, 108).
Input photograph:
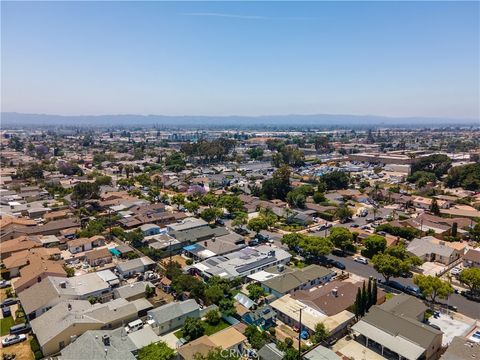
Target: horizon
point(223, 59)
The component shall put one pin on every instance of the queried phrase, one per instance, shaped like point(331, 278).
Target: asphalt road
point(464, 306)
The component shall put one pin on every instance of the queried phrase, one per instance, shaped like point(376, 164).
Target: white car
point(13, 339)
point(361, 260)
point(456, 271)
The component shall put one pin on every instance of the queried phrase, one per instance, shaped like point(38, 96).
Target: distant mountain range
point(17, 120)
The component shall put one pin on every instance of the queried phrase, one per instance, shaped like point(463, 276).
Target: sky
point(418, 59)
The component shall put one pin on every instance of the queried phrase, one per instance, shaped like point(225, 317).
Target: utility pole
point(299, 310)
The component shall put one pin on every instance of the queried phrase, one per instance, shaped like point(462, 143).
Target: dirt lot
point(21, 350)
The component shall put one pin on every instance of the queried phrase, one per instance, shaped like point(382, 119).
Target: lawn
point(6, 324)
point(389, 296)
point(209, 329)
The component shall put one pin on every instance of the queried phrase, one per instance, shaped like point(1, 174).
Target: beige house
point(62, 324)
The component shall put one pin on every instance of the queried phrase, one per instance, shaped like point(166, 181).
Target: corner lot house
point(396, 329)
point(429, 248)
point(64, 322)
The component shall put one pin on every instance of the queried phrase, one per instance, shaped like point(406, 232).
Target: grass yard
point(6, 324)
point(209, 329)
point(212, 329)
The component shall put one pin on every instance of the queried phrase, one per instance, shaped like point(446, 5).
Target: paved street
point(465, 306)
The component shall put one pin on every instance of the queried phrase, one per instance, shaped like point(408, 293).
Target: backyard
point(209, 329)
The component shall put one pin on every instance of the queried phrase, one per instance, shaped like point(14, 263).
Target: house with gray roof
point(395, 328)
point(429, 248)
point(172, 316)
point(69, 319)
point(132, 291)
point(298, 279)
point(135, 266)
point(52, 290)
point(101, 345)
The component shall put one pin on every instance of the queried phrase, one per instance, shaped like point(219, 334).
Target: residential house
point(18, 244)
point(98, 257)
point(263, 317)
point(40, 297)
point(169, 317)
point(132, 291)
point(84, 244)
point(242, 263)
point(287, 309)
point(135, 266)
point(396, 330)
point(288, 281)
point(472, 258)
point(229, 339)
point(149, 229)
point(67, 320)
point(429, 248)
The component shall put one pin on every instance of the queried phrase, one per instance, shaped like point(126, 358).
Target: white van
point(134, 326)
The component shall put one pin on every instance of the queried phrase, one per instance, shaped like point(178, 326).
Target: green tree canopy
point(156, 351)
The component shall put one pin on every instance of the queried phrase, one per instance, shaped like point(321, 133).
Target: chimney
point(335, 292)
point(106, 339)
point(205, 243)
point(69, 307)
point(63, 284)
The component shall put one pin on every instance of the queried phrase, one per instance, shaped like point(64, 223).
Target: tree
point(389, 266)
point(454, 230)
point(149, 291)
point(69, 270)
point(433, 287)
point(255, 291)
point(192, 206)
point(232, 203)
point(319, 197)
point(211, 214)
point(374, 244)
point(292, 240)
point(279, 185)
point(315, 246)
point(213, 294)
point(343, 213)
point(466, 176)
point(212, 317)
point(192, 328)
point(434, 209)
point(257, 224)
point(364, 299)
point(369, 302)
point(227, 306)
point(358, 305)
point(336, 180)
point(320, 334)
point(437, 164)
point(241, 218)
point(255, 337)
point(342, 238)
point(175, 162)
point(471, 278)
point(156, 351)
point(85, 191)
point(374, 292)
point(178, 199)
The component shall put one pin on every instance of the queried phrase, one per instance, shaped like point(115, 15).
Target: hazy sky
point(383, 58)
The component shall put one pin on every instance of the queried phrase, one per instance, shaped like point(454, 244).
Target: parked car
point(6, 312)
point(456, 271)
point(395, 285)
point(261, 237)
point(13, 339)
point(9, 302)
point(414, 290)
point(361, 260)
point(471, 296)
point(4, 284)
point(337, 264)
point(354, 225)
point(23, 328)
point(338, 252)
